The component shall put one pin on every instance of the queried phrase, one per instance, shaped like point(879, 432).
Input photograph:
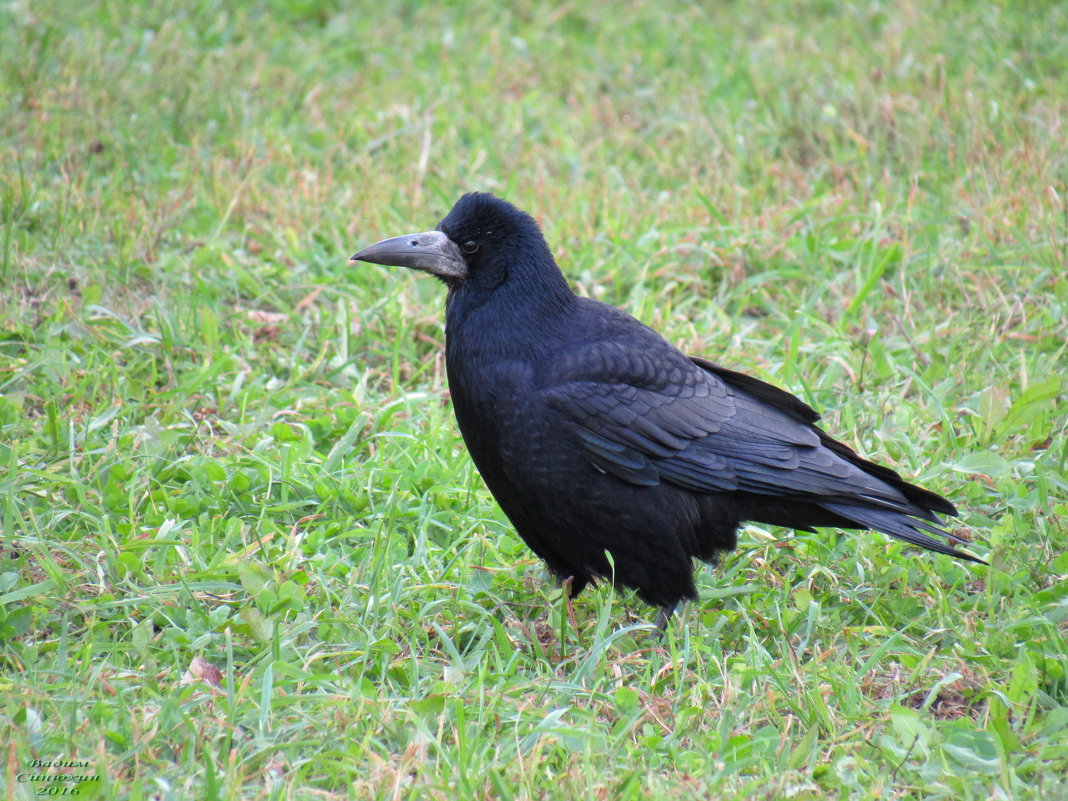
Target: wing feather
point(647, 415)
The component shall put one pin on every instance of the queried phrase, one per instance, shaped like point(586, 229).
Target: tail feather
point(902, 526)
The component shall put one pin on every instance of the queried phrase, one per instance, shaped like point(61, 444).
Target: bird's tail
point(903, 527)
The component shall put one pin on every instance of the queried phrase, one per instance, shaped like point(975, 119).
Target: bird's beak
point(430, 251)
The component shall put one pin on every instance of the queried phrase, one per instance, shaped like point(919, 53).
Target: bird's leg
point(567, 584)
point(663, 615)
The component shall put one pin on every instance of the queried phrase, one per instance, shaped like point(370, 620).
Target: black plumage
point(596, 435)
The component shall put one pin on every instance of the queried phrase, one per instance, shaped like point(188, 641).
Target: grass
point(244, 553)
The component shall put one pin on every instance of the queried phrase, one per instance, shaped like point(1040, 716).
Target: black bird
point(596, 435)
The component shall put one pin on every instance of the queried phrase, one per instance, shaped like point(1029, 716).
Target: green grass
point(222, 445)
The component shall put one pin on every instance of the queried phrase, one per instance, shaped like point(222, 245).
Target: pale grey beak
point(430, 251)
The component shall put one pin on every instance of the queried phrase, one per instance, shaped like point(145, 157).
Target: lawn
point(244, 552)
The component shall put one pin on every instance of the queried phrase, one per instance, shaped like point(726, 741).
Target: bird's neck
point(516, 317)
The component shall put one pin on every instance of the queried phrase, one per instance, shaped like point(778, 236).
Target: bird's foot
point(663, 615)
point(567, 584)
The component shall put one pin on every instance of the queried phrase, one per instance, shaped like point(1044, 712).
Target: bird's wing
point(651, 414)
point(803, 413)
point(646, 413)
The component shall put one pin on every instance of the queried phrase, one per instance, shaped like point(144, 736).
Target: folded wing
point(651, 415)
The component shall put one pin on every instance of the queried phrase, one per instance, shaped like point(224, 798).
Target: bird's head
point(482, 242)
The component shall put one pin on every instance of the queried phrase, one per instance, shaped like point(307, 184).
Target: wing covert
point(652, 414)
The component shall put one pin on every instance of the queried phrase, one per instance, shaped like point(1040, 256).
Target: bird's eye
point(470, 246)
